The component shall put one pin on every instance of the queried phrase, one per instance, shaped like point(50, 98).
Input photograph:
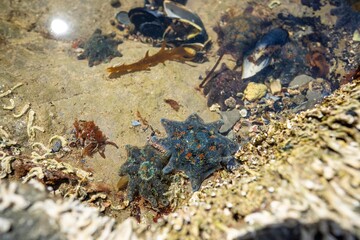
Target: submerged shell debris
point(260, 57)
point(282, 46)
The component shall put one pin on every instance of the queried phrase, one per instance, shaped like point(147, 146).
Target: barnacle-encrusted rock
point(27, 212)
point(197, 148)
point(143, 168)
point(100, 48)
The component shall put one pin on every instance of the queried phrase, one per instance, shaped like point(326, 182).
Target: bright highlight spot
point(59, 27)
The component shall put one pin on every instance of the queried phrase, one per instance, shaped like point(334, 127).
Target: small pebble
point(230, 102)
point(243, 112)
point(300, 80)
point(275, 86)
point(255, 91)
point(329, 173)
point(135, 123)
point(123, 18)
point(309, 184)
point(227, 212)
point(229, 205)
point(215, 108)
point(56, 146)
point(115, 3)
point(356, 36)
point(5, 225)
point(229, 118)
point(207, 206)
point(178, 223)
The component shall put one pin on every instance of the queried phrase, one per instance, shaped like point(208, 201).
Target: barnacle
point(143, 167)
point(196, 148)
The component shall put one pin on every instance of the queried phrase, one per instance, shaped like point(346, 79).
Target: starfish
point(196, 148)
point(100, 48)
point(143, 168)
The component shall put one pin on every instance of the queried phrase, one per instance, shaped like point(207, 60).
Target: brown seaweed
point(90, 138)
point(173, 104)
point(181, 53)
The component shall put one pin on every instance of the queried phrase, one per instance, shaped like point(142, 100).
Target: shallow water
point(61, 88)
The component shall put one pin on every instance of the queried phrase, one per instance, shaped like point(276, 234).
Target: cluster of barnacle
point(90, 138)
point(192, 147)
point(264, 52)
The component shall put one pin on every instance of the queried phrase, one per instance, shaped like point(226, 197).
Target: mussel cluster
point(166, 20)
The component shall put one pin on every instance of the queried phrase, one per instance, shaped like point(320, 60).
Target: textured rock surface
point(303, 166)
point(27, 212)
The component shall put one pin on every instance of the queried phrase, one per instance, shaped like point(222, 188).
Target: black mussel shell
point(276, 36)
point(179, 33)
point(183, 2)
point(140, 15)
point(159, 3)
point(176, 11)
point(153, 3)
point(187, 26)
point(154, 30)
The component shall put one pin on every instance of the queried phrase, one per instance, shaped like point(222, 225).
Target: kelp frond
point(173, 54)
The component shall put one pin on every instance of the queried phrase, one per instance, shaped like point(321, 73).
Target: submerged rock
point(300, 80)
point(229, 118)
point(255, 91)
